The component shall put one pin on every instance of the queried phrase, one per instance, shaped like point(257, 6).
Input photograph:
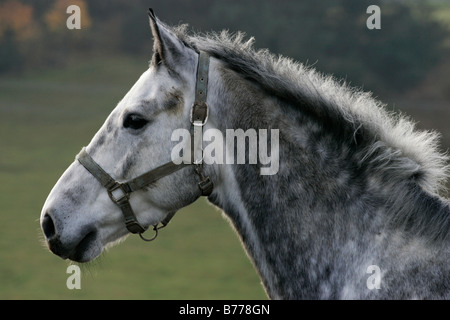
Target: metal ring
point(151, 239)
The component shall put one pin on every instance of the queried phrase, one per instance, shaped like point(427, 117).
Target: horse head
point(78, 218)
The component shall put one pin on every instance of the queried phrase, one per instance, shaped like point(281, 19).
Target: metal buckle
point(116, 196)
point(134, 227)
point(196, 122)
point(207, 186)
point(155, 228)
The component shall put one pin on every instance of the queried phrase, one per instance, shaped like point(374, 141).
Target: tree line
point(331, 35)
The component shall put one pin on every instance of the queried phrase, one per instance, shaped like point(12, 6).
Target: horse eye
point(134, 121)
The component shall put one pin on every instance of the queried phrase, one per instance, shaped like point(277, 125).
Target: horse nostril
point(48, 226)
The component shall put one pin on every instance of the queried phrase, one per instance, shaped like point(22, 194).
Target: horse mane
point(395, 144)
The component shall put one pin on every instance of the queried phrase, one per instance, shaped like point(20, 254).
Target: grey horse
point(352, 211)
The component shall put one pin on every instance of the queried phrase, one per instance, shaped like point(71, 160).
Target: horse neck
point(319, 222)
point(286, 221)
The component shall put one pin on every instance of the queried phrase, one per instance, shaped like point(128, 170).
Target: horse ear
point(157, 43)
point(167, 48)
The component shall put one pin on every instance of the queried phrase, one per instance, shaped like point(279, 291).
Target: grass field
point(45, 119)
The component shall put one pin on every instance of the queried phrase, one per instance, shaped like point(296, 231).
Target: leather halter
point(119, 192)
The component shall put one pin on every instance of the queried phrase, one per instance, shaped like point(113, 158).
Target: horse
point(354, 210)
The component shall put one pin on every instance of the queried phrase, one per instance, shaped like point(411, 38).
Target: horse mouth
point(87, 249)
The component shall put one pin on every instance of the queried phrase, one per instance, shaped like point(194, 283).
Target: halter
point(119, 192)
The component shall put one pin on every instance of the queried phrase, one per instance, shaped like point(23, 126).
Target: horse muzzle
point(82, 248)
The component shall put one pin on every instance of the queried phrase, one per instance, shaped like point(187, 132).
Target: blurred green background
point(57, 86)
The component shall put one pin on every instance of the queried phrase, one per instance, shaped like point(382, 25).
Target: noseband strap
point(119, 192)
